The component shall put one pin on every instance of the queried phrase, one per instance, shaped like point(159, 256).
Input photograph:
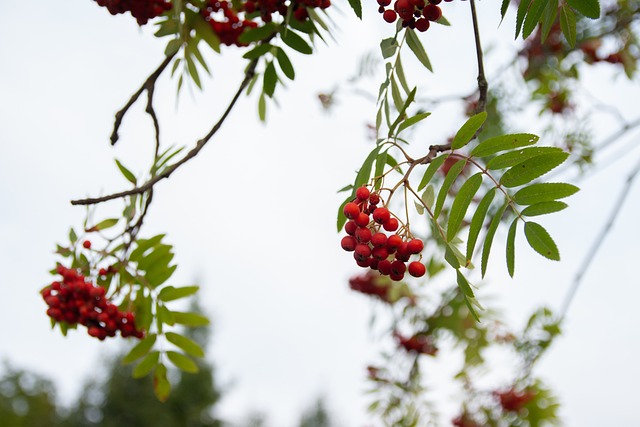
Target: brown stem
point(148, 85)
point(249, 73)
point(483, 86)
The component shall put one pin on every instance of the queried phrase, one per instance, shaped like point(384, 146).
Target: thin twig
point(148, 85)
point(483, 86)
point(249, 73)
point(586, 262)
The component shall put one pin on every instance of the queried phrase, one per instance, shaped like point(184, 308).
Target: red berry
point(350, 227)
point(394, 241)
point(396, 277)
point(362, 252)
point(362, 193)
point(390, 16)
point(417, 269)
point(415, 246)
point(102, 272)
point(351, 210)
point(390, 225)
point(432, 12)
point(384, 267)
point(384, 2)
point(348, 243)
point(379, 239)
point(86, 244)
point(422, 25)
point(398, 267)
point(381, 215)
point(362, 219)
point(364, 263)
point(380, 253)
point(374, 199)
point(363, 235)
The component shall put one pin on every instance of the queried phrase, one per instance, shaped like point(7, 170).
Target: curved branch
point(148, 85)
point(249, 73)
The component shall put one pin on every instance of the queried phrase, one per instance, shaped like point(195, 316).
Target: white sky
point(286, 327)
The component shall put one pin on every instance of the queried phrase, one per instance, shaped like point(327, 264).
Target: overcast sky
point(286, 327)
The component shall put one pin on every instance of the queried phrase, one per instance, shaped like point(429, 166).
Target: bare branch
point(483, 86)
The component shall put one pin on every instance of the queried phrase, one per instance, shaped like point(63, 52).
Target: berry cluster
point(371, 247)
point(415, 14)
point(421, 344)
point(268, 7)
point(142, 10)
point(74, 300)
point(230, 27)
point(513, 400)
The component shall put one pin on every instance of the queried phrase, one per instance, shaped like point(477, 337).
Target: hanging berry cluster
point(415, 14)
point(74, 300)
point(268, 7)
point(142, 10)
point(230, 27)
point(371, 246)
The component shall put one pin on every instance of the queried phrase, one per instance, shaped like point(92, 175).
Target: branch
point(617, 208)
point(483, 86)
point(249, 73)
point(148, 85)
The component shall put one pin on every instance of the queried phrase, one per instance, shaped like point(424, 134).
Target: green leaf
point(533, 17)
point(186, 344)
point(205, 32)
point(161, 255)
point(531, 169)
point(550, 15)
point(167, 27)
point(73, 237)
point(589, 8)
point(163, 315)
point(515, 157)
point(381, 161)
point(140, 349)
point(416, 47)
point(173, 47)
point(395, 94)
point(468, 130)
point(295, 42)
point(503, 143)
point(523, 8)
point(146, 365)
point(285, 63)
point(169, 293)
point(412, 121)
point(157, 277)
point(357, 7)
point(161, 385)
point(544, 208)
point(270, 79)
point(431, 170)
point(429, 196)
point(568, 24)
point(388, 47)
point(365, 170)
point(262, 107)
point(544, 192)
point(503, 8)
point(126, 173)
point(401, 77)
point(190, 319)
point(448, 181)
point(402, 111)
point(470, 302)
point(461, 204)
point(488, 239)
point(103, 225)
point(258, 51)
point(182, 362)
point(341, 218)
point(143, 245)
point(511, 247)
point(450, 257)
point(193, 71)
point(463, 284)
point(540, 240)
point(259, 33)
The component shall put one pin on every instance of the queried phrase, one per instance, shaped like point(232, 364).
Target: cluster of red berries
point(514, 400)
point(416, 14)
point(142, 10)
point(421, 344)
point(369, 284)
point(230, 26)
point(268, 7)
point(371, 247)
point(74, 300)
